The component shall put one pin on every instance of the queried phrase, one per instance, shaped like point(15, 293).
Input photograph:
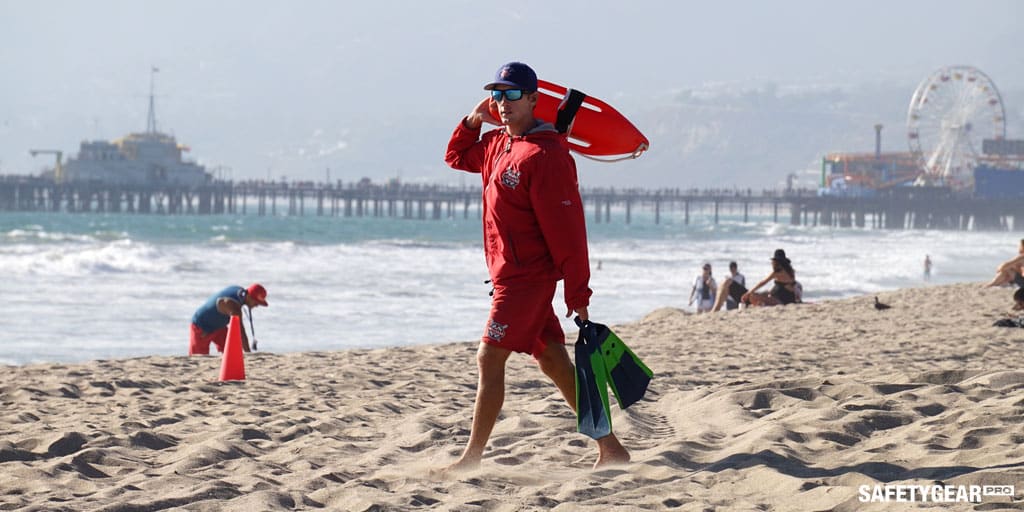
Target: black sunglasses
point(509, 94)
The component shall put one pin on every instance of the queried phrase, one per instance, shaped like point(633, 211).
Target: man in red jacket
point(534, 235)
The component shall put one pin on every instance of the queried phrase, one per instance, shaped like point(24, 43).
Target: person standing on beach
point(534, 235)
point(704, 288)
point(927, 267)
point(210, 321)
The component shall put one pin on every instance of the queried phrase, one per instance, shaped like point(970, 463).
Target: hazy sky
point(315, 72)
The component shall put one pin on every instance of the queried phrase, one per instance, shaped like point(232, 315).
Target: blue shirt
point(208, 318)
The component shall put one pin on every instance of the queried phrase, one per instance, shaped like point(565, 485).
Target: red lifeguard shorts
point(199, 342)
point(522, 318)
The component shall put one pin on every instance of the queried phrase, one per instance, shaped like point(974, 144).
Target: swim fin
point(627, 374)
point(593, 414)
point(602, 359)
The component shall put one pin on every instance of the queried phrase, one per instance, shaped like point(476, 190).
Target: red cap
point(258, 293)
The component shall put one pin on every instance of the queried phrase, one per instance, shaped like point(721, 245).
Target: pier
point(902, 208)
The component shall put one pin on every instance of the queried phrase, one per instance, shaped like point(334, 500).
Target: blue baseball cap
point(515, 74)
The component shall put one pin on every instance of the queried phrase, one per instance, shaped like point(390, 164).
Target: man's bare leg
point(490, 395)
point(610, 451)
point(556, 364)
point(722, 294)
point(554, 361)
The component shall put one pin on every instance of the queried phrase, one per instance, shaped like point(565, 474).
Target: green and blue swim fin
point(602, 359)
point(593, 414)
point(627, 374)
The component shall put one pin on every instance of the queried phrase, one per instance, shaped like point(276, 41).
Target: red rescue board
point(597, 130)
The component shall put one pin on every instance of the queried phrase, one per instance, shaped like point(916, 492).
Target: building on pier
point(147, 158)
point(137, 159)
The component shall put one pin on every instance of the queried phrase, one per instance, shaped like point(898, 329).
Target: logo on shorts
point(510, 178)
point(496, 331)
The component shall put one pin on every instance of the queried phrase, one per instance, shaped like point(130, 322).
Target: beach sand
point(786, 408)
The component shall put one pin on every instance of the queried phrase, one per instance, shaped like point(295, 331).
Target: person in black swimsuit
point(785, 290)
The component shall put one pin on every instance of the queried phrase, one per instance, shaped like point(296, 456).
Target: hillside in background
point(715, 137)
point(756, 137)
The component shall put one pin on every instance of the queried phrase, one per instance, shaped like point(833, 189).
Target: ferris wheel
point(951, 113)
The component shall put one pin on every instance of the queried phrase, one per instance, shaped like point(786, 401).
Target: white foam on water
point(340, 283)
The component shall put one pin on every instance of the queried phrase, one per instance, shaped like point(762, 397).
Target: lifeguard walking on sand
point(534, 236)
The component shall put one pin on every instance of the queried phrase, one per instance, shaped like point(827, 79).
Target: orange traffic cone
point(232, 367)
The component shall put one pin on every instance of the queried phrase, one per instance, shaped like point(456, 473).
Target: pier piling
point(912, 208)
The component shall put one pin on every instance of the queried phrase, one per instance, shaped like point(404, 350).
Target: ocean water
point(96, 286)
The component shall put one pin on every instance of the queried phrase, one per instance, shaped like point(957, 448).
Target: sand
point(786, 408)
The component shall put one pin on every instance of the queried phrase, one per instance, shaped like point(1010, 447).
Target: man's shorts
point(522, 318)
point(199, 342)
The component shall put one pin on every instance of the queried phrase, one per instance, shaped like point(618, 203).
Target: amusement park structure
point(865, 174)
point(956, 132)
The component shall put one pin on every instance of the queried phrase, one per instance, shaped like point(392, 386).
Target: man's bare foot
point(460, 466)
point(610, 452)
point(611, 459)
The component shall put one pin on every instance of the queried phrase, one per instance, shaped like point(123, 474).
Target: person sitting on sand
point(704, 288)
point(731, 290)
point(210, 321)
point(1010, 271)
point(786, 290)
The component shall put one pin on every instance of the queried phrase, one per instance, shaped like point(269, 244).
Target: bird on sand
point(879, 306)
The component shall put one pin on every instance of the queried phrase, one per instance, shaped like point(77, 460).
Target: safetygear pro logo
point(510, 178)
point(495, 330)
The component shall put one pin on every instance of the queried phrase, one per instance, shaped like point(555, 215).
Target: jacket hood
point(542, 126)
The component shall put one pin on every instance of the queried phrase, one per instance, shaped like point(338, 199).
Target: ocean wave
point(120, 256)
point(398, 243)
point(106, 236)
point(382, 283)
point(189, 266)
point(42, 236)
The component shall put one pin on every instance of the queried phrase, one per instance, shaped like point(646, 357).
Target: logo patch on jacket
point(510, 178)
point(496, 331)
